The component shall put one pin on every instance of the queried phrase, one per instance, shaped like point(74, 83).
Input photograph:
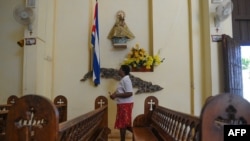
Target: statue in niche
point(120, 32)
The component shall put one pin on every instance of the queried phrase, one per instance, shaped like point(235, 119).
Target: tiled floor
point(116, 137)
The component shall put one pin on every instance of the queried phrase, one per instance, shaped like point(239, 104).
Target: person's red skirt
point(124, 115)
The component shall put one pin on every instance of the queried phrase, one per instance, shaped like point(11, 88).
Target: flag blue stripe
point(96, 47)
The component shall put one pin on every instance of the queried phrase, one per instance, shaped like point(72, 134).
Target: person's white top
point(125, 85)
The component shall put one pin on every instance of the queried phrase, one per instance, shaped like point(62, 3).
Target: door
point(232, 65)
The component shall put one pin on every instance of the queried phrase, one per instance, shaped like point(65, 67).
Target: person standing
point(124, 99)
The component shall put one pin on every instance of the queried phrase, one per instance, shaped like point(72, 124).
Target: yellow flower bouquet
point(138, 58)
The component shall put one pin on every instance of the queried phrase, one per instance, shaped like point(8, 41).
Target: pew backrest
point(223, 109)
point(61, 103)
point(144, 120)
point(32, 117)
point(12, 99)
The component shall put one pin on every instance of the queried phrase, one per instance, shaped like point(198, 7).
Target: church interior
point(52, 54)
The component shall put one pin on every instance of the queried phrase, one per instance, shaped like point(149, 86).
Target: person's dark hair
point(125, 69)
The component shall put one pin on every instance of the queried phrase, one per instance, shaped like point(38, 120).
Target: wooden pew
point(62, 106)
point(4, 108)
point(11, 100)
point(34, 117)
point(223, 109)
point(162, 124)
point(3, 117)
point(60, 102)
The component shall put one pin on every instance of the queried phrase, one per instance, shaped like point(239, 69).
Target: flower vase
point(142, 69)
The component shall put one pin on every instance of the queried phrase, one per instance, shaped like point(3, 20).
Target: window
point(245, 61)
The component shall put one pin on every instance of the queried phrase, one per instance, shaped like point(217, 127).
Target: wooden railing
point(179, 126)
point(86, 127)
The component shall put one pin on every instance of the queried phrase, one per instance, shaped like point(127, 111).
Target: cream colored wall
point(180, 30)
point(11, 55)
point(216, 51)
point(171, 36)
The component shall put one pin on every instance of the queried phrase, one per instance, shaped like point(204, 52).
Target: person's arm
point(120, 95)
point(128, 90)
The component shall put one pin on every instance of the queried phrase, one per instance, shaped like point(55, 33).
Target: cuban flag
point(96, 47)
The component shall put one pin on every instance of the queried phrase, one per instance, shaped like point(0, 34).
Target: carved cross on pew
point(101, 102)
point(31, 122)
point(60, 101)
point(151, 103)
point(12, 101)
point(230, 119)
